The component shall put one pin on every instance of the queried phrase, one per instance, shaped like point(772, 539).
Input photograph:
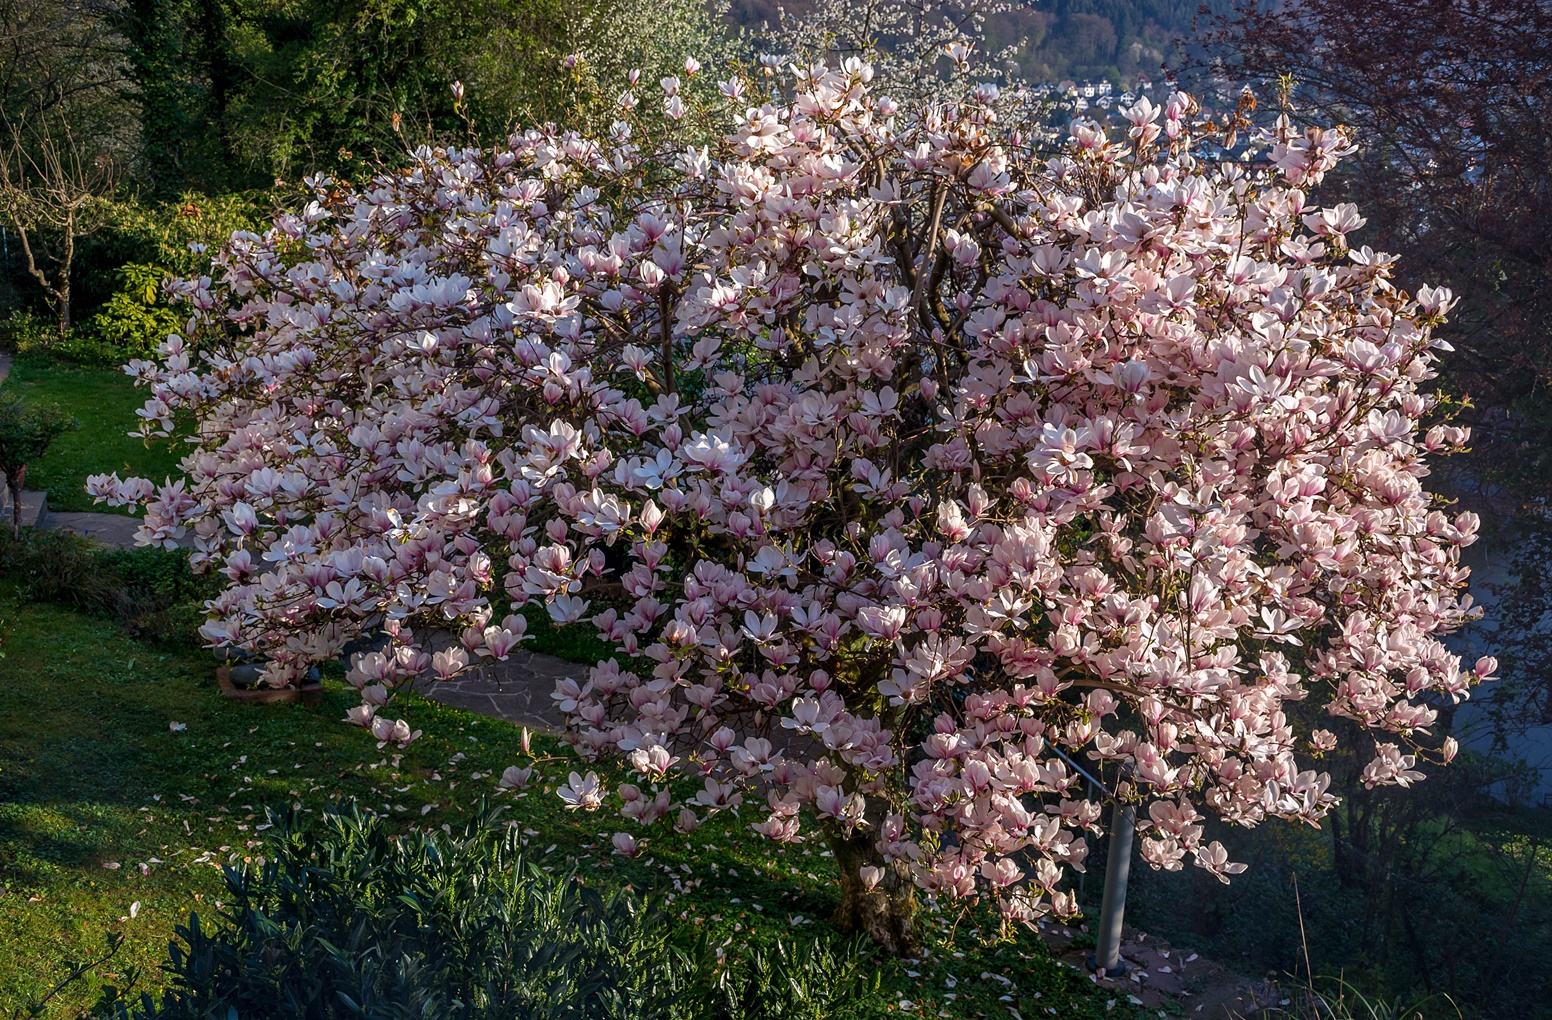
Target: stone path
point(34, 505)
point(517, 691)
point(109, 529)
point(1159, 974)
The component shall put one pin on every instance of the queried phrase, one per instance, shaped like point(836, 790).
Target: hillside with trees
point(1056, 40)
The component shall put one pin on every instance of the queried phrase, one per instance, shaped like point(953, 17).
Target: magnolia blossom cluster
point(906, 468)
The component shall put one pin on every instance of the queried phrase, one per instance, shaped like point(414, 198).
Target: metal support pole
point(1107, 951)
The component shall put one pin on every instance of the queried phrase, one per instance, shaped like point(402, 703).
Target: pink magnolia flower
point(393, 731)
point(1215, 860)
point(582, 792)
point(514, 778)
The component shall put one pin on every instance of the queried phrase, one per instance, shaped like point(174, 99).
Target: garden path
point(517, 691)
point(109, 529)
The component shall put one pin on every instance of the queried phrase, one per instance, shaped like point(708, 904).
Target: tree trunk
point(66, 263)
point(14, 483)
point(887, 912)
point(60, 292)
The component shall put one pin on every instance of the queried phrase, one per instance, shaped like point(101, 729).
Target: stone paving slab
point(1160, 973)
point(517, 691)
point(109, 529)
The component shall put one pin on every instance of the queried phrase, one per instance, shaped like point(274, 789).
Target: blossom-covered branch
point(891, 456)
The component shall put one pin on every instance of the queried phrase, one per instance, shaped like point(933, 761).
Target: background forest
point(136, 134)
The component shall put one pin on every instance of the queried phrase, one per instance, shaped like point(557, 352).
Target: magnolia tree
point(905, 468)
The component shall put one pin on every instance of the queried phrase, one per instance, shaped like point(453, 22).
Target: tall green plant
point(1335, 998)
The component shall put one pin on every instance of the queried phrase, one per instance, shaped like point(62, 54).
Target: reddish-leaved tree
point(1452, 102)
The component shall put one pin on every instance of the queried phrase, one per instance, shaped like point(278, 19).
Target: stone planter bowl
point(238, 677)
point(308, 694)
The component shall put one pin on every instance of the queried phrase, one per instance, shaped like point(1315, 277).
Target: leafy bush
point(178, 236)
point(58, 567)
point(25, 333)
point(22, 329)
point(151, 590)
point(1392, 894)
point(137, 318)
point(349, 919)
point(181, 235)
point(132, 323)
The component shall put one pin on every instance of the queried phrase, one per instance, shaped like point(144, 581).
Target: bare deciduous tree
point(66, 128)
point(49, 185)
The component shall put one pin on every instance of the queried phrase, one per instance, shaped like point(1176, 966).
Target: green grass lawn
point(103, 806)
point(104, 400)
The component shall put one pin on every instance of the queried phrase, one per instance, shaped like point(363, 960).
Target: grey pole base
point(1107, 949)
point(1121, 968)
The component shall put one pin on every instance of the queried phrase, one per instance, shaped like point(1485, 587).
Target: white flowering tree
point(903, 466)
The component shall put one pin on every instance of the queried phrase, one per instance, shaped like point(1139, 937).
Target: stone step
point(106, 529)
point(34, 507)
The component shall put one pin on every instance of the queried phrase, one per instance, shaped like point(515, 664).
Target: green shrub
point(182, 235)
point(151, 591)
point(24, 333)
point(179, 236)
point(162, 600)
point(136, 318)
point(349, 920)
point(132, 323)
point(58, 567)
